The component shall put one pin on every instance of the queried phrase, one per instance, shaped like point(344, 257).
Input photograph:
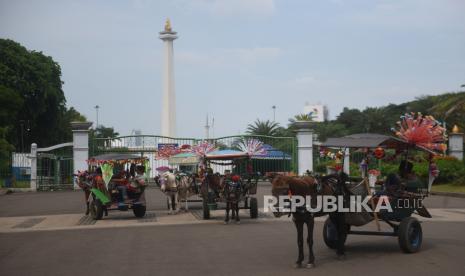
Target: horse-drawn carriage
point(114, 182)
point(231, 188)
point(404, 191)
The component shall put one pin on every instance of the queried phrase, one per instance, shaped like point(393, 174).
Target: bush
point(451, 170)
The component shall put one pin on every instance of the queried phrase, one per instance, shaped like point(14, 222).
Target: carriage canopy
point(371, 140)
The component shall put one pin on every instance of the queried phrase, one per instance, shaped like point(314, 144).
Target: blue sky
point(236, 59)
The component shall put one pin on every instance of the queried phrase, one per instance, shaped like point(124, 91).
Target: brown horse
point(307, 186)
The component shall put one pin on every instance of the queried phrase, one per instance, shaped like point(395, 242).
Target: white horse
point(170, 189)
point(185, 190)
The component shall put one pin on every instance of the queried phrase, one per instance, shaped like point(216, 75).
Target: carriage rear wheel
point(96, 209)
point(139, 210)
point(330, 235)
point(253, 208)
point(410, 235)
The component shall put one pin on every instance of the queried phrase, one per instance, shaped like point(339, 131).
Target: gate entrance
point(281, 153)
point(55, 168)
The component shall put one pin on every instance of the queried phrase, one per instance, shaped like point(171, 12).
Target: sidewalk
point(126, 219)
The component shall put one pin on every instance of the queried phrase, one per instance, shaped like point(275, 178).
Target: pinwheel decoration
point(202, 148)
point(253, 147)
point(424, 131)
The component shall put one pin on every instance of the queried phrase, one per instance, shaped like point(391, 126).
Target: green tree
point(33, 105)
point(450, 108)
point(107, 135)
point(267, 128)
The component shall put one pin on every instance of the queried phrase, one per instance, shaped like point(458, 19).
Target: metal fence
point(281, 157)
point(15, 170)
point(55, 169)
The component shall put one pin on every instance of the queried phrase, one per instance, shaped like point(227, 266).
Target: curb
point(459, 195)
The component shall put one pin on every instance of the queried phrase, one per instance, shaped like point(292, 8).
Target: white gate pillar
point(80, 146)
point(304, 146)
point(33, 157)
point(456, 143)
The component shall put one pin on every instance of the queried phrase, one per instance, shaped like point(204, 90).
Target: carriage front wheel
point(410, 235)
point(96, 209)
point(330, 235)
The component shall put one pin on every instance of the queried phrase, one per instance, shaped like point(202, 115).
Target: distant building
point(317, 112)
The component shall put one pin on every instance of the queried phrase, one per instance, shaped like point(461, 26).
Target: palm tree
point(108, 133)
point(300, 117)
point(267, 128)
point(450, 108)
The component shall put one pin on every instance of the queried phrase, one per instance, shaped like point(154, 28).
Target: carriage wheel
point(253, 208)
point(139, 210)
point(410, 235)
point(330, 234)
point(96, 209)
point(206, 208)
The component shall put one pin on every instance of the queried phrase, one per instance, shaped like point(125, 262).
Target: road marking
point(153, 218)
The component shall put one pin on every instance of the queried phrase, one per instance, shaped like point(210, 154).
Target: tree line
point(33, 105)
point(448, 108)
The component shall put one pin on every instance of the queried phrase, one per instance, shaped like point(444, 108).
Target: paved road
point(266, 248)
point(192, 247)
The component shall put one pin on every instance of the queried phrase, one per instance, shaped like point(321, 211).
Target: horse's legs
point(310, 223)
point(187, 206)
point(173, 203)
point(226, 220)
point(299, 224)
point(236, 209)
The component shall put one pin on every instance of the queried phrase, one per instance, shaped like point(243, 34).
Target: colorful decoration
point(373, 178)
point(422, 130)
point(374, 172)
point(253, 147)
point(433, 170)
point(95, 162)
point(185, 148)
point(147, 169)
point(203, 148)
point(165, 151)
point(107, 172)
point(235, 178)
point(379, 153)
point(162, 169)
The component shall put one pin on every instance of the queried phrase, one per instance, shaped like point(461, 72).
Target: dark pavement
point(266, 248)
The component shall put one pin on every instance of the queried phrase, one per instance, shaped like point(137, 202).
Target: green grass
point(450, 188)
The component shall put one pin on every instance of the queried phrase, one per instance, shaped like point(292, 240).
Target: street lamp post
point(21, 122)
point(274, 112)
point(96, 111)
